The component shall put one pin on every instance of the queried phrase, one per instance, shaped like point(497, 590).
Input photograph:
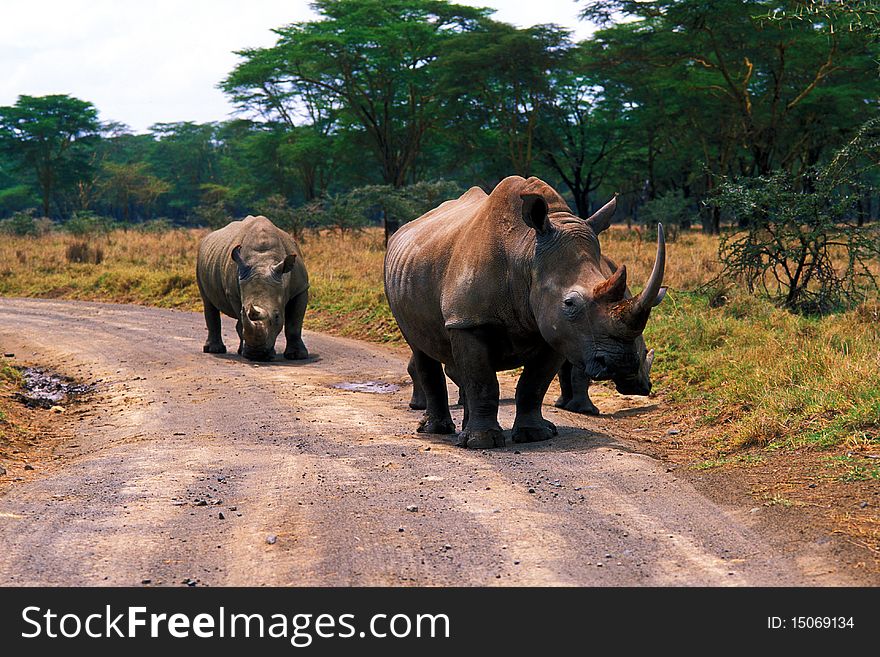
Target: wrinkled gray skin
point(486, 283)
point(253, 271)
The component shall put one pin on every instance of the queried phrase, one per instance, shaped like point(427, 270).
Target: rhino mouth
point(630, 387)
point(257, 354)
point(626, 384)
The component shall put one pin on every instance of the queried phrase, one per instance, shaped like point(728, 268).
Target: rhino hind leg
point(580, 401)
point(294, 312)
point(538, 372)
point(214, 343)
point(430, 374)
point(565, 387)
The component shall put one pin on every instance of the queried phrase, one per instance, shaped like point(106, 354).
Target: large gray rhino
point(485, 283)
point(574, 383)
point(253, 271)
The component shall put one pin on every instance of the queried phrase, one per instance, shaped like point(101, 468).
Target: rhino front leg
point(430, 374)
point(214, 344)
point(538, 372)
point(580, 400)
point(238, 330)
point(294, 312)
point(473, 368)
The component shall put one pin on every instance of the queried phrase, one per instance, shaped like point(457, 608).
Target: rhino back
point(463, 264)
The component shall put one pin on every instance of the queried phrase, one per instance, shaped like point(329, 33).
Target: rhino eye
point(572, 304)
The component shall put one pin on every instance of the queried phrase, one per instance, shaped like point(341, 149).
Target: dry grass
point(753, 374)
point(347, 294)
point(155, 269)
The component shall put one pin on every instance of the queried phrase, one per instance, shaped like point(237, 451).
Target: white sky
point(149, 61)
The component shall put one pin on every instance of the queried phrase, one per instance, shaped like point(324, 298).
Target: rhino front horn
point(649, 296)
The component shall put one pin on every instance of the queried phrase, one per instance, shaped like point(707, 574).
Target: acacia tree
point(367, 65)
point(123, 186)
point(49, 137)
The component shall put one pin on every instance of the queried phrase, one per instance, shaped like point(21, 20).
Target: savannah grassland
point(755, 390)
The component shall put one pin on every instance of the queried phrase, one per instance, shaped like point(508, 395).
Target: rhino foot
point(584, 407)
point(534, 434)
point(297, 354)
point(418, 403)
point(561, 402)
point(214, 348)
point(480, 439)
point(435, 425)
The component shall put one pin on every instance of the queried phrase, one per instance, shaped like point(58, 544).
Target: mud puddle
point(42, 388)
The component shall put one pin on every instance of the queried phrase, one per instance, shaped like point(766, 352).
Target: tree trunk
point(711, 220)
point(390, 226)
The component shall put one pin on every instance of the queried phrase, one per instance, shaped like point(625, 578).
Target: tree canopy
point(47, 138)
point(662, 104)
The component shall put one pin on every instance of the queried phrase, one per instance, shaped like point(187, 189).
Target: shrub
point(671, 209)
point(392, 206)
point(802, 245)
point(44, 225)
point(83, 252)
point(155, 226)
point(86, 223)
point(21, 223)
point(278, 211)
point(212, 215)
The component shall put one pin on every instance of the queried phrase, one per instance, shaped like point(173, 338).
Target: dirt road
point(322, 486)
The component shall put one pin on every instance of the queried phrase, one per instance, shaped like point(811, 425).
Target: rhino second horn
point(649, 360)
point(646, 300)
point(255, 312)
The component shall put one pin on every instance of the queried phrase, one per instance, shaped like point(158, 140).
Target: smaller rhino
point(253, 271)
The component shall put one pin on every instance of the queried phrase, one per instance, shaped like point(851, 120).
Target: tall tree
point(500, 78)
point(367, 65)
point(733, 89)
point(187, 156)
point(49, 137)
point(584, 129)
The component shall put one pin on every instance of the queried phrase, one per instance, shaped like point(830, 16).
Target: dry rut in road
point(175, 439)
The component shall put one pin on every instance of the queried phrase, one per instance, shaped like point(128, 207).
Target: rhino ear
point(243, 269)
point(612, 289)
point(534, 212)
point(284, 266)
point(601, 218)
